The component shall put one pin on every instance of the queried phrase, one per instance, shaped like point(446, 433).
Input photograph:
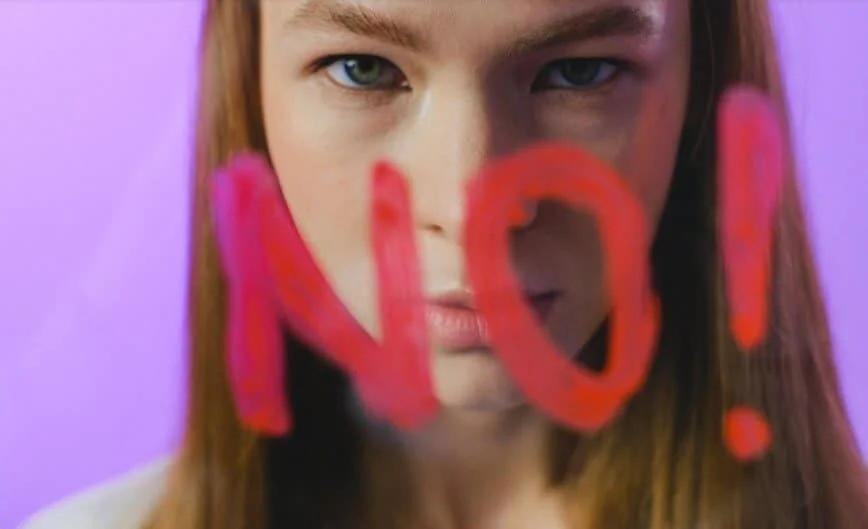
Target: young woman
point(327, 87)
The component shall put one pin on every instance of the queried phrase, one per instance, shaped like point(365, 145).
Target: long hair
point(662, 464)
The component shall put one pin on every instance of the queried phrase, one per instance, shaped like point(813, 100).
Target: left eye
point(577, 73)
point(364, 72)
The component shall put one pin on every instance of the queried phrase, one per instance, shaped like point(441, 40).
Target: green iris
point(364, 71)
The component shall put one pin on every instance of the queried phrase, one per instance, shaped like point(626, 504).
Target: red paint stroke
point(271, 274)
point(751, 172)
point(749, 185)
point(568, 393)
point(401, 300)
point(747, 434)
point(254, 349)
point(392, 378)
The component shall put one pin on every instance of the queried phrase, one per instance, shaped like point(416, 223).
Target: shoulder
point(122, 503)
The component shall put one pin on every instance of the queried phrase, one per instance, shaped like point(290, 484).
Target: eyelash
point(616, 68)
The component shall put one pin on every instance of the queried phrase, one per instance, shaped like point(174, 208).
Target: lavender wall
point(94, 129)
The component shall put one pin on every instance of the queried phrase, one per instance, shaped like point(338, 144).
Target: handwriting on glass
point(273, 278)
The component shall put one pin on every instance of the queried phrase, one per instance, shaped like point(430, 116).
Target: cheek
point(655, 138)
point(654, 153)
point(643, 149)
point(327, 192)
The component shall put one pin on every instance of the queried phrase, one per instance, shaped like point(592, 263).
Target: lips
point(455, 324)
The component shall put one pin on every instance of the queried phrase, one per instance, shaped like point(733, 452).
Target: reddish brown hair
point(662, 465)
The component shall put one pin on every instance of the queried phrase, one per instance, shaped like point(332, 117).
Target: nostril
point(436, 228)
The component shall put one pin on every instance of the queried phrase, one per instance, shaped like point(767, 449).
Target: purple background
point(94, 149)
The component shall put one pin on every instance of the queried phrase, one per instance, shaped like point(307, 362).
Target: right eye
point(364, 72)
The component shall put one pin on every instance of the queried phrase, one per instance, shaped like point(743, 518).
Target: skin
point(460, 84)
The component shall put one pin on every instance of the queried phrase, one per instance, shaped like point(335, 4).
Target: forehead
point(422, 23)
point(492, 7)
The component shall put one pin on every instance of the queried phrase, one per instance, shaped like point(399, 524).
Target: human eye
point(363, 72)
point(578, 74)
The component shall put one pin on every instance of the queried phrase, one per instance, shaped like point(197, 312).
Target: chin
point(473, 381)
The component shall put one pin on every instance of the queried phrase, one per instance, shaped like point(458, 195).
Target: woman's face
point(440, 88)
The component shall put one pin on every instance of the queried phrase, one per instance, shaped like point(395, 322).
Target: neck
point(479, 470)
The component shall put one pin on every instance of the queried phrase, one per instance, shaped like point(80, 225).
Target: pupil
point(363, 70)
point(581, 72)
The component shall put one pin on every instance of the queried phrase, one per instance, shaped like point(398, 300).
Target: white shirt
point(122, 503)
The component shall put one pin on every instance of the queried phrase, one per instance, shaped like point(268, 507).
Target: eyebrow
point(606, 22)
point(358, 20)
point(610, 21)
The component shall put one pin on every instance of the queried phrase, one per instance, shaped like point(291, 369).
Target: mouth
point(455, 324)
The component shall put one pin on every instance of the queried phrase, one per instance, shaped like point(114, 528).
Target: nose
point(455, 137)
